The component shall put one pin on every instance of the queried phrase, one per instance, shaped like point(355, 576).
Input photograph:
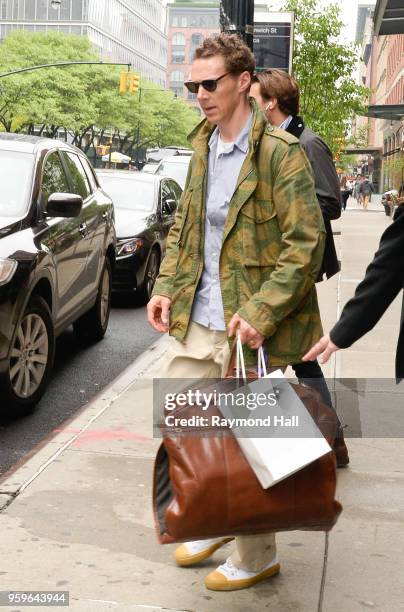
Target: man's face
point(219, 105)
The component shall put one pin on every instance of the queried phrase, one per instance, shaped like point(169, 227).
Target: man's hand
point(158, 313)
point(325, 346)
point(248, 334)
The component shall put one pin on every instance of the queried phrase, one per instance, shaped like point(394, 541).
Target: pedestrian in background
point(278, 95)
point(356, 193)
point(366, 189)
point(244, 253)
point(345, 191)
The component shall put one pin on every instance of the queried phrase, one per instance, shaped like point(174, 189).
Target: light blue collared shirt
point(223, 174)
point(285, 124)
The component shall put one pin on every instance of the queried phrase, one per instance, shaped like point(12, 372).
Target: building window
point(3, 11)
point(177, 91)
point(178, 48)
point(196, 41)
point(177, 76)
point(191, 96)
point(179, 39)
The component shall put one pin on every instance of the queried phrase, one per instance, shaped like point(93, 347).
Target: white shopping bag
point(276, 454)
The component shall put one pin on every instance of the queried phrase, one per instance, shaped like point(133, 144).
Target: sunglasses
point(208, 84)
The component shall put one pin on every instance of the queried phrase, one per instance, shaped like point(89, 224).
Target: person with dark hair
point(243, 254)
point(278, 95)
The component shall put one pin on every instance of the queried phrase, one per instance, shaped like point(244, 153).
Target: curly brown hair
point(280, 85)
point(237, 56)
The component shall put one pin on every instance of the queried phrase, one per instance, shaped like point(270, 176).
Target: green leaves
point(82, 99)
point(324, 68)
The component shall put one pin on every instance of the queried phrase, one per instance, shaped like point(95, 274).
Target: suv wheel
point(152, 270)
point(31, 359)
point(91, 327)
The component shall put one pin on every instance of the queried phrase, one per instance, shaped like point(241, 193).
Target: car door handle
point(83, 229)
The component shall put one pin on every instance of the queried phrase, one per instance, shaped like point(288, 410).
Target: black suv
point(57, 251)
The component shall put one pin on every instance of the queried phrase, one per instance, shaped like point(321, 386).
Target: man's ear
point(273, 104)
point(244, 82)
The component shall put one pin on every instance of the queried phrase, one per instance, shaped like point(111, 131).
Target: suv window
point(77, 174)
point(176, 189)
point(167, 197)
point(54, 178)
point(89, 173)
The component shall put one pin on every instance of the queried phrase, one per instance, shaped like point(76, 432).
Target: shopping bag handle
point(237, 361)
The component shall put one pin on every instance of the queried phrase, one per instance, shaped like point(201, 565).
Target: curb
point(14, 481)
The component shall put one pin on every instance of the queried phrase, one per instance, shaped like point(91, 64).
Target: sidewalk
point(77, 516)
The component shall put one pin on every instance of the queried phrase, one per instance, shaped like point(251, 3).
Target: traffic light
point(134, 81)
point(129, 82)
point(123, 82)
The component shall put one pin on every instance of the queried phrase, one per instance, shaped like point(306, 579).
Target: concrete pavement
point(77, 515)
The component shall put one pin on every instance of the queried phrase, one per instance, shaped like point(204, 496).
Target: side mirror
point(64, 205)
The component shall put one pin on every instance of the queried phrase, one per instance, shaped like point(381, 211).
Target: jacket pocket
point(261, 235)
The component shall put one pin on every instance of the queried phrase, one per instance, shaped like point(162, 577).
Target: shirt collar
point(241, 141)
point(285, 124)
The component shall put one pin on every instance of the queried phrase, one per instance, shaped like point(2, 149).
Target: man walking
point(278, 95)
point(366, 189)
point(244, 253)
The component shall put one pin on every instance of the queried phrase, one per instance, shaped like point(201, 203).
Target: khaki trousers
point(205, 354)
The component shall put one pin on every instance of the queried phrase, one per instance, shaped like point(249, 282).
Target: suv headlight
point(7, 269)
point(128, 246)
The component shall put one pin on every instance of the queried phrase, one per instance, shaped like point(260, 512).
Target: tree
point(84, 101)
point(323, 66)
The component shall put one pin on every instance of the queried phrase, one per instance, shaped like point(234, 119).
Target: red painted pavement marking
point(87, 437)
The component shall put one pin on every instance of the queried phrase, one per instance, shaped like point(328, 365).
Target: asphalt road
point(79, 374)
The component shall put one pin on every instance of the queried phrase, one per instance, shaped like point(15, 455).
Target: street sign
point(273, 40)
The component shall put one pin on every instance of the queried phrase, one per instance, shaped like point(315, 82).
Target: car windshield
point(174, 170)
point(130, 194)
point(15, 182)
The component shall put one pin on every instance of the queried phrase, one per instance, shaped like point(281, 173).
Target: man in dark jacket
point(366, 189)
point(278, 95)
point(383, 281)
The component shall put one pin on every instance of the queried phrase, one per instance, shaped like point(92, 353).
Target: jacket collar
point(296, 126)
point(201, 134)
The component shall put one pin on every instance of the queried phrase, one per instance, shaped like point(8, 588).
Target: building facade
point(120, 30)
point(189, 23)
point(382, 70)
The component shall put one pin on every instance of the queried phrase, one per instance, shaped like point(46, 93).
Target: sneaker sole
point(235, 585)
point(198, 557)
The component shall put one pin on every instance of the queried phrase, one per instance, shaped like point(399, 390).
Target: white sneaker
point(194, 552)
point(228, 577)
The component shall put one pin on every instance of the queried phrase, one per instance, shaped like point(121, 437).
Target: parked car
point(57, 252)
point(176, 167)
point(145, 206)
point(150, 168)
point(157, 154)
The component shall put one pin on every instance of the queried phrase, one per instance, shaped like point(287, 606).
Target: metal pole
point(59, 64)
point(138, 130)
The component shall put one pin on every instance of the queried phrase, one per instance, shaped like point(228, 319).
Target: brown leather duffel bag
point(204, 487)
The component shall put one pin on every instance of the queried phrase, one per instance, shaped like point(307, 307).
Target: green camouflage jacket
point(272, 247)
